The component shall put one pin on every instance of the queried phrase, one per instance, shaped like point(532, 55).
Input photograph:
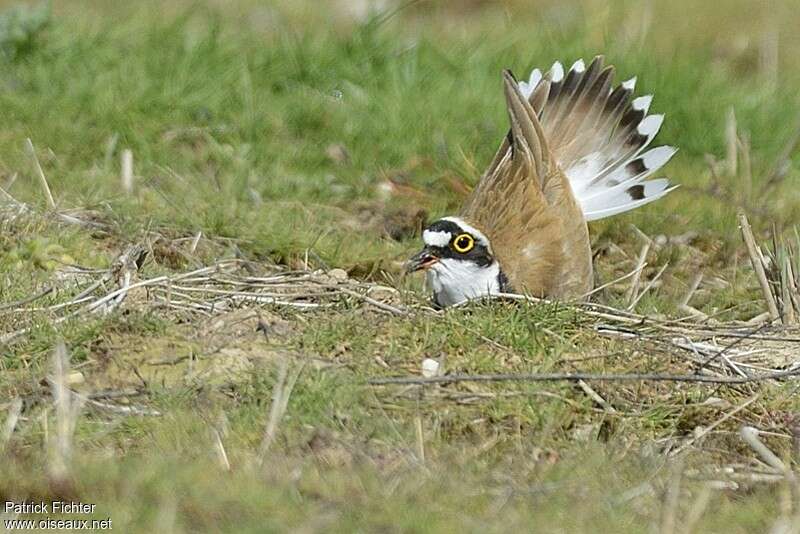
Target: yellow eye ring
point(463, 243)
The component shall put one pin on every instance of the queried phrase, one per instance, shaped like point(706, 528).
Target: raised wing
point(525, 206)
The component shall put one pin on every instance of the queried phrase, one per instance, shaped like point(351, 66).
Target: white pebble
point(430, 368)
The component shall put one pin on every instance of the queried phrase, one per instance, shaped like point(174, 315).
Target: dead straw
point(51, 203)
point(757, 260)
point(574, 377)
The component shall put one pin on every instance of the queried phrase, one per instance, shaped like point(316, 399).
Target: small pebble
point(430, 368)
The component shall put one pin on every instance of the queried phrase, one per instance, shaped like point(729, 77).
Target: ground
point(284, 157)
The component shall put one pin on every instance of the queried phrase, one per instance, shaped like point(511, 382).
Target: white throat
point(454, 281)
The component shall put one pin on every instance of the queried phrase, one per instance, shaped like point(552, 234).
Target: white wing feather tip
point(642, 103)
point(650, 125)
point(579, 66)
point(557, 72)
point(658, 157)
point(527, 88)
point(629, 84)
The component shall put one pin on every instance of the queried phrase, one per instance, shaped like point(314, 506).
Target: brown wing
point(525, 206)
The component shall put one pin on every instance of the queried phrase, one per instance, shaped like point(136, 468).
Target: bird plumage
point(575, 153)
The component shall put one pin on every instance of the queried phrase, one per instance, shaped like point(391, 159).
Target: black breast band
point(502, 281)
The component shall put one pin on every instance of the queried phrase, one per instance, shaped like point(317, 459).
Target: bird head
point(458, 261)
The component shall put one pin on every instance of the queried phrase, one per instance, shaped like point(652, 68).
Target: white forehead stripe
point(436, 239)
point(467, 228)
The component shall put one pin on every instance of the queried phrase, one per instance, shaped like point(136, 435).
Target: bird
point(576, 151)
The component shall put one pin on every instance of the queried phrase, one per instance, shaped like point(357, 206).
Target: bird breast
point(453, 281)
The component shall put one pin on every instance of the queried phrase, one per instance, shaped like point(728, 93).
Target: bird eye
point(463, 243)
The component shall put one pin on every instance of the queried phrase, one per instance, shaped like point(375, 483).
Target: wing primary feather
point(608, 212)
point(538, 99)
point(527, 135)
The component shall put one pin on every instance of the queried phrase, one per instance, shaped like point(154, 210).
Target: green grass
point(231, 110)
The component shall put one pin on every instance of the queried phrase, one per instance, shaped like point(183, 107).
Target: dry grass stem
point(123, 409)
point(698, 279)
point(750, 436)
point(757, 260)
point(219, 447)
point(574, 377)
point(635, 272)
point(380, 305)
point(126, 171)
point(731, 142)
point(640, 265)
point(669, 509)
point(747, 165)
point(111, 146)
point(778, 274)
point(195, 242)
point(275, 411)
point(67, 409)
point(420, 438)
point(48, 195)
point(647, 288)
point(596, 397)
